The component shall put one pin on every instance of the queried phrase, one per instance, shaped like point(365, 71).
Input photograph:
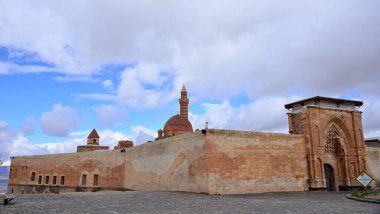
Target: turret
point(93, 138)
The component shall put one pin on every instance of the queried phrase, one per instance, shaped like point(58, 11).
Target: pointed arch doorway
point(329, 176)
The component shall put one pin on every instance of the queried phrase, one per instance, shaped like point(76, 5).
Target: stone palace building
point(324, 150)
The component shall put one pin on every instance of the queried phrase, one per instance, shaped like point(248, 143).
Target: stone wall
point(208, 161)
point(373, 158)
point(250, 162)
point(87, 148)
point(168, 164)
point(108, 165)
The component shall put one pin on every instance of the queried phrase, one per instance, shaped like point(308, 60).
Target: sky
point(67, 67)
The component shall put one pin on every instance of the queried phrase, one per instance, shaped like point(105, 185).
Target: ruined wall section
point(249, 162)
point(170, 164)
point(107, 165)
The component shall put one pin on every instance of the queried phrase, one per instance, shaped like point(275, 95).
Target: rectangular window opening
point(33, 177)
point(96, 180)
point(62, 180)
point(54, 179)
point(47, 179)
point(39, 179)
point(84, 178)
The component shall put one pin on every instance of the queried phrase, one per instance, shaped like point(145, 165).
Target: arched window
point(333, 139)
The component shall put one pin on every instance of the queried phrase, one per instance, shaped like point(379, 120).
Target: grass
point(363, 194)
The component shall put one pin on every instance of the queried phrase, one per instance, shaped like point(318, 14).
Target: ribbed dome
point(178, 125)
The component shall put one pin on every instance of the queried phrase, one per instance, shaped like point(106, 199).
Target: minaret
point(184, 103)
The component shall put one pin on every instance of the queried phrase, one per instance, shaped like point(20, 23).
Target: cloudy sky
point(118, 66)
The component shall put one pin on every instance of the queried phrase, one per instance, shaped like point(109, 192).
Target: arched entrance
point(329, 176)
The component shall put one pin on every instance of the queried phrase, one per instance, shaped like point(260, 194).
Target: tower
point(334, 140)
point(93, 138)
point(184, 103)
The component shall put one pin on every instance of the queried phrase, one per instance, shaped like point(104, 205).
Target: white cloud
point(265, 114)
point(28, 125)
point(252, 48)
point(108, 115)
point(111, 138)
point(133, 89)
point(59, 121)
point(107, 84)
point(143, 134)
point(11, 141)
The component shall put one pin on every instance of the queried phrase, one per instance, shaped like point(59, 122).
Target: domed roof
point(178, 123)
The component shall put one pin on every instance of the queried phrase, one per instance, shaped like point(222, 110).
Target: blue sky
point(68, 67)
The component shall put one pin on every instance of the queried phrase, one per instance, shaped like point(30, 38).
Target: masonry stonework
point(324, 150)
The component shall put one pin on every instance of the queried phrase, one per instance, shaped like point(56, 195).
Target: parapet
point(123, 144)
point(88, 148)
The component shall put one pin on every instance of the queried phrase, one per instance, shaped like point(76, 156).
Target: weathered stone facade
point(334, 141)
point(324, 150)
point(212, 161)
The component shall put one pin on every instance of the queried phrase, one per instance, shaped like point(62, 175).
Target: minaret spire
point(184, 103)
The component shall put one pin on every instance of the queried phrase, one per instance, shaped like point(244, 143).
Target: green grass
point(363, 194)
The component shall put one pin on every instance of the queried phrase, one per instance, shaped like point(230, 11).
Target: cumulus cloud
point(265, 114)
point(145, 85)
point(107, 84)
point(220, 49)
point(28, 125)
point(59, 121)
point(11, 141)
point(294, 42)
point(143, 134)
point(108, 115)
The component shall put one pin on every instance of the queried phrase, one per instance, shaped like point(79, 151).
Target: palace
point(324, 150)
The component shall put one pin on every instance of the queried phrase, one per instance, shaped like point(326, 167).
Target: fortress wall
point(214, 162)
point(250, 162)
point(170, 164)
point(373, 158)
point(108, 165)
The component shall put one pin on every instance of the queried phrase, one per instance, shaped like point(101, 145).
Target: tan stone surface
point(315, 123)
point(373, 157)
point(109, 165)
point(248, 162)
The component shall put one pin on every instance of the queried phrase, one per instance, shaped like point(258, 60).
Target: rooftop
point(93, 134)
point(318, 99)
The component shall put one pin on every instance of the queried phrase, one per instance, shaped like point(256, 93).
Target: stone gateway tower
point(334, 140)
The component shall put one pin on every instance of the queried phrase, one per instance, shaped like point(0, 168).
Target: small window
point(84, 178)
point(39, 179)
point(94, 140)
point(54, 179)
point(47, 179)
point(96, 180)
point(62, 180)
point(33, 177)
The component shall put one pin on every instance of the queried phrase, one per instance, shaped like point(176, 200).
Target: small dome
point(178, 125)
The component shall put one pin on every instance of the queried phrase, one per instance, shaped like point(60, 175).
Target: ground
point(180, 202)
